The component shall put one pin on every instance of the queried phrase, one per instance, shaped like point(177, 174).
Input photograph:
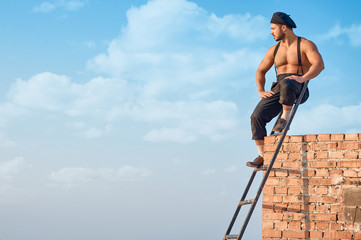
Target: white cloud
point(353, 33)
point(328, 119)
point(82, 175)
point(68, 5)
point(9, 169)
point(209, 171)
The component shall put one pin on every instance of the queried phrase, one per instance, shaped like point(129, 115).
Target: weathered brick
point(296, 139)
point(336, 155)
point(335, 172)
point(275, 182)
point(338, 235)
point(349, 164)
point(272, 199)
point(281, 225)
point(270, 139)
point(292, 199)
point(280, 207)
point(322, 225)
point(308, 207)
point(348, 145)
point(272, 216)
point(322, 173)
point(322, 208)
point(320, 181)
point(268, 190)
point(336, 208)
point(322, 155)
point(323, 216)
point(310, 138)
point(337, 137)
point(292, 164)
point(336, 226)
point(322, 164)
point(294, 207)
point(321, 190)
point(351, 155)
point(272, 233)
point(323, 137)
point(349, 173)
point(292, 147)
point(309, 173)
point(295, 225)
point(281, 190)
point(316, 235)
point(357, 235)
point(351, 137)
point(281, 173)
point(294, 190)
point(267, 225)
point(296, 234)
point(270, 147)
point(294, 156)
point(293, 181)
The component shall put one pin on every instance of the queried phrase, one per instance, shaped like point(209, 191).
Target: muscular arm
point(315, 58)
point(263, 68)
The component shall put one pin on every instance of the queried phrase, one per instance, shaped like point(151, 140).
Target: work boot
point(280, 126)
point(258, 162)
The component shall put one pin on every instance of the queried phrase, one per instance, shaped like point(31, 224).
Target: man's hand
point(265, 94)
point(299, 79)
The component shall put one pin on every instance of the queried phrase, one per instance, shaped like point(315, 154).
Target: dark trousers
point(286, 92)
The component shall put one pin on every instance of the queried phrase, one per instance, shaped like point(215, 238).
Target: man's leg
point(264, 112)
point(289, 91)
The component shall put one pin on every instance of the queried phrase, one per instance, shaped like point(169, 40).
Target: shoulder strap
point(274, 54)
point(299, 55)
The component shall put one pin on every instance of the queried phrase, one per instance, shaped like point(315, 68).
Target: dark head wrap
point(283, 18)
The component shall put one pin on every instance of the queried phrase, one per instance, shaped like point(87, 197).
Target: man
point(297, 60)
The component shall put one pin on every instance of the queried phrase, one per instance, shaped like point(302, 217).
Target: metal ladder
point(254, 201)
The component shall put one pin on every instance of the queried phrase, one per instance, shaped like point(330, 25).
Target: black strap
point(274, 54)
point(298, 55)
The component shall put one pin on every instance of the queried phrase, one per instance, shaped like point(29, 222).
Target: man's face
point(277, 32)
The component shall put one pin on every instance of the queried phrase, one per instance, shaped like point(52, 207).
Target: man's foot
point(280, 126)
point(258, 162)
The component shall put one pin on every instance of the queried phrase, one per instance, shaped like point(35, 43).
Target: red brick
point(323, 216)
point(294, 190)
point(322, 225)
point(357, 235)
point(334, 172)
point(296, 234)
point(309, 173)
point(292, 199)
point(321, 190)
point(281, 190)
point(281, 173)
point(322, 164)
point(296, 139)
point(349, 173)
point(351, 155)
point(292, 164)
point(322, 155)
point(281, 225)
point(294, 156)
point(295, 225)
point(310, 155)
point(268, 190)
point(270, 139)
point(349, 164)
point(308, 207)
point(323, 199)
point(294, 173)
point(336, 208)
point(275, 182)
point(282, 156)
point(321, 146)
point(272, 233)
point(348, 145)
point(272, 216)
point(322, 208)
point(351, 137)
point(336, 155)
point(336, 226)
point(286, 140)
point(322, 173)
point(293, 181)
point(280, 207)
point(320, 181)
point(267, 225)
point(338, 235)
point(293, 216)
point(294, 207)
point(316, 235)
point(270, 147)
point(291, 147)
point(272, 199)
point(323, 137)
point(337, 137)
point(310, 138)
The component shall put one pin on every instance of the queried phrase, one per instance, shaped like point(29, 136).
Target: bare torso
point(286, 59)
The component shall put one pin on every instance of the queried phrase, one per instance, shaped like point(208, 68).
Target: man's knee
point(288, 85)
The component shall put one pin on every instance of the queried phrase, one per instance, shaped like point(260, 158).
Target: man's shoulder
point(307, 43)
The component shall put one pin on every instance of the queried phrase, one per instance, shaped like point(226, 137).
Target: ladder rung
point(245, 202)
point(231, 237)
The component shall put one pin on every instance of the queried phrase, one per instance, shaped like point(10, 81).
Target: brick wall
point(314, 191)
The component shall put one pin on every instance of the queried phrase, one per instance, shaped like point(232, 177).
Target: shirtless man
point(297, 60)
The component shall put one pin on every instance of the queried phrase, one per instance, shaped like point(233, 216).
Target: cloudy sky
point(130, 119)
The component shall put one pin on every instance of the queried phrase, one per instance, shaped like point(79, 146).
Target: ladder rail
point(265, 177)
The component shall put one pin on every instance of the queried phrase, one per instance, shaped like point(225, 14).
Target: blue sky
point(130, 119)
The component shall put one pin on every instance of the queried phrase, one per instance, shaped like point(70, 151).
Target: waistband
point(284, 75)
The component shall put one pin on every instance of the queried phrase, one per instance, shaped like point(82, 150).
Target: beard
point(280, 37)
